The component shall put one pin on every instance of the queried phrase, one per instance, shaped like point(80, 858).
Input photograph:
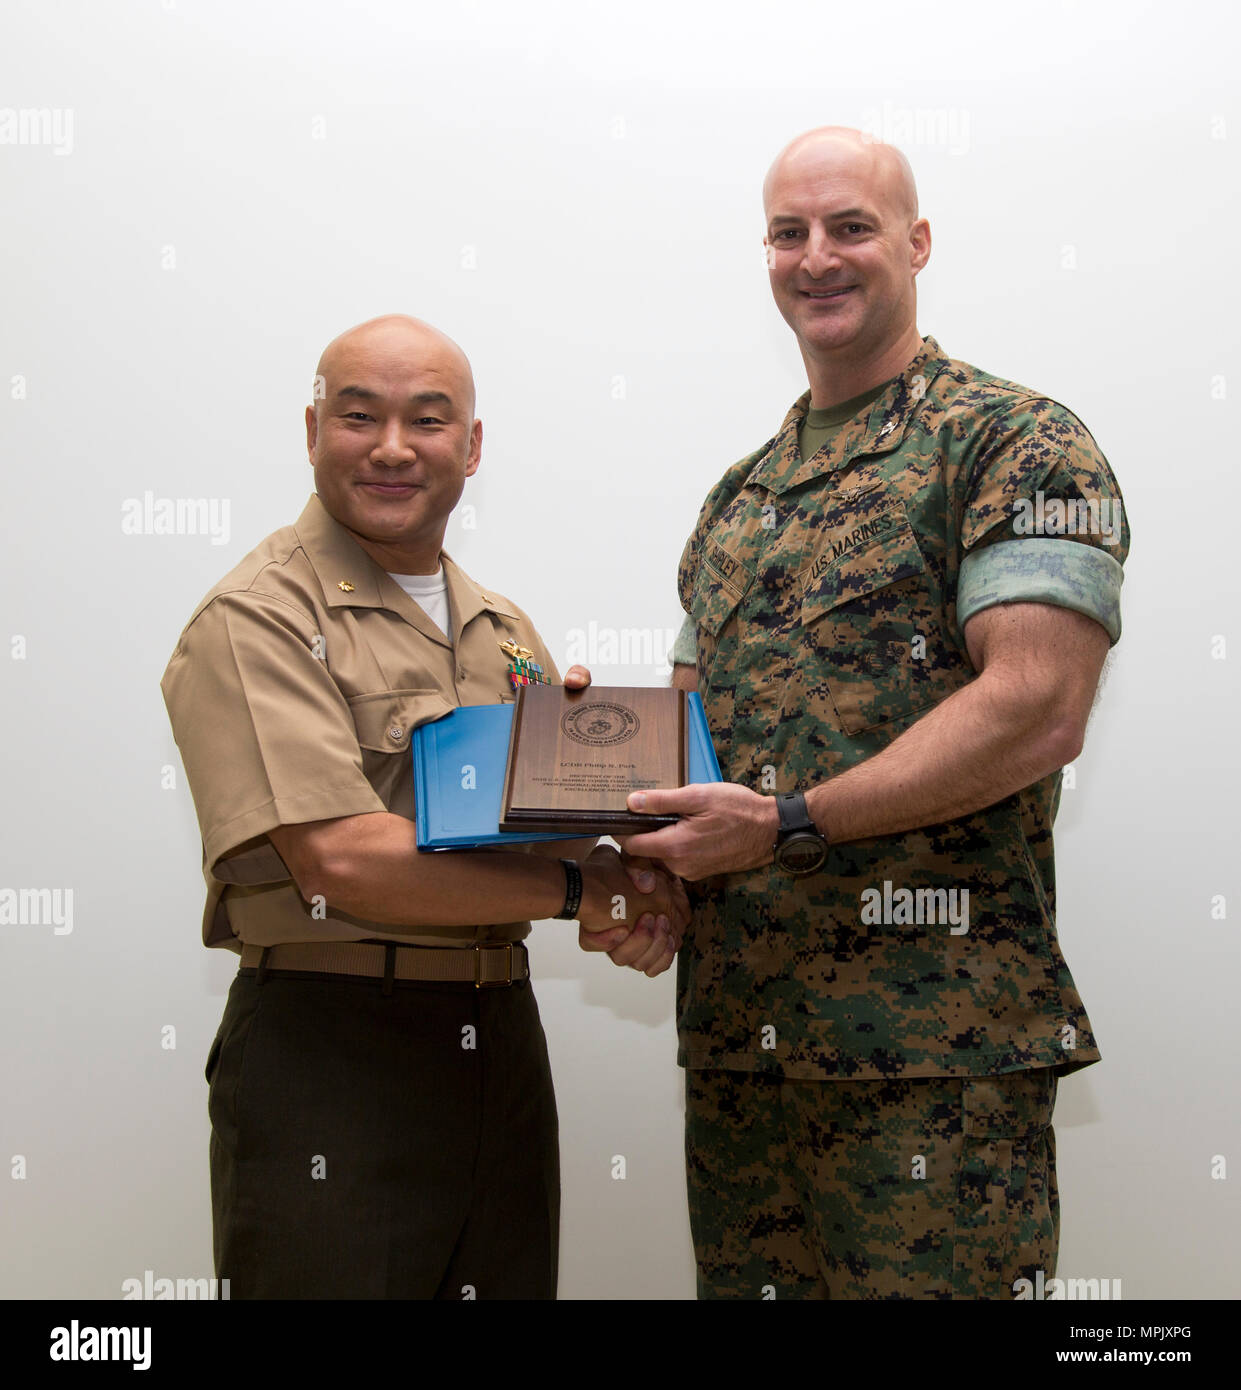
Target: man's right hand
point(638, 928)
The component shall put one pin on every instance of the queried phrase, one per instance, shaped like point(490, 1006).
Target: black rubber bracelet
point(572, 889)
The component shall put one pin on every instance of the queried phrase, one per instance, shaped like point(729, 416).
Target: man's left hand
point(577, 678)
point(724, 828)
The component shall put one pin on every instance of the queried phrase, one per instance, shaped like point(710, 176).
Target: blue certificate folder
point(457, 809)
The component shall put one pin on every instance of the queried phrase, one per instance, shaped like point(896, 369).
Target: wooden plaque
point(575, 755)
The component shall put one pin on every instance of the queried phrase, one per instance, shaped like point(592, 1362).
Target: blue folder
point(459, 808)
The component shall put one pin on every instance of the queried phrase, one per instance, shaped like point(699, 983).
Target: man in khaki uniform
point(382, 1125)
point(899, 607)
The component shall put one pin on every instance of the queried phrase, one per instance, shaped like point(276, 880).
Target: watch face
point(802, 854)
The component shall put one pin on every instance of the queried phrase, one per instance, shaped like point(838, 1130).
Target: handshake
point(633, 909)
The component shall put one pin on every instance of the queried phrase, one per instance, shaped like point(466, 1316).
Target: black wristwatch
point(800, 849)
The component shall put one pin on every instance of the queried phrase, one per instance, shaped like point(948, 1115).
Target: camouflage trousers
point(931, 1187)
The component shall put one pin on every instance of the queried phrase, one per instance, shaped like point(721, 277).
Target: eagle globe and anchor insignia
point(600, 724)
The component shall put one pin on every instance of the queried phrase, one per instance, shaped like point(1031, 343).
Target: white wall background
point(572, 191)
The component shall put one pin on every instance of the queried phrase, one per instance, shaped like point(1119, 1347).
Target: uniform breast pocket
point(718, 589)
point(713, 608)
point(385, 723)
point(874, 635)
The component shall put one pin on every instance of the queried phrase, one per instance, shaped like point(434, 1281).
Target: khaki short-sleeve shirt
point(293, 694)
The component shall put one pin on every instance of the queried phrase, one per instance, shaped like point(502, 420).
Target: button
point(461, 673)
point(396, 734)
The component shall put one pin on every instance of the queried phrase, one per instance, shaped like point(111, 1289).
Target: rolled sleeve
point(685, 648)
point(1042, 570)
point(1042, 519)
point(264, 732)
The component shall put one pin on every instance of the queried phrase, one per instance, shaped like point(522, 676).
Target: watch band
point(793, 813)
point(572, 889)
point(800, 848)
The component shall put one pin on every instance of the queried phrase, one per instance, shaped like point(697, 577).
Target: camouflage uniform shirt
point(828, 598)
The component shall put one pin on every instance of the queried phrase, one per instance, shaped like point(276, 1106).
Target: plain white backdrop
point(572, 192)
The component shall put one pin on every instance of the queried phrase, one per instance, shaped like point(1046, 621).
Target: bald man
point(898, 610)
point(381, 1125)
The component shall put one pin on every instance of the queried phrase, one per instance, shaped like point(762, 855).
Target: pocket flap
point(877, 552)
point(386, 720)
point(1016, 1105)
point(715, 600)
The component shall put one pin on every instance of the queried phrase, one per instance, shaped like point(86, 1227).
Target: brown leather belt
point(488, 964)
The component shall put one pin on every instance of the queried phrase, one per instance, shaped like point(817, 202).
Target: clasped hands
point(633, 909)
point(723, 828)
point(642, 929)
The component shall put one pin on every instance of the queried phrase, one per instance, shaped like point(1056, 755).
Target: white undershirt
point(430, 593)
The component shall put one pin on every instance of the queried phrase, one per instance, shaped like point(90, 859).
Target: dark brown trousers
point(382, 1145)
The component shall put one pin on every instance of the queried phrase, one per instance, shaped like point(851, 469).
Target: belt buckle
point(479, 982)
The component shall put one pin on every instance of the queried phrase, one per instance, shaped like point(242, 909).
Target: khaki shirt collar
point(349, 577)
point(876, 431)
point(465, 599)
point(347, 574)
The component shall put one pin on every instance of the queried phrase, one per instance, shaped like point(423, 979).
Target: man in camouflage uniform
point(899, 607)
